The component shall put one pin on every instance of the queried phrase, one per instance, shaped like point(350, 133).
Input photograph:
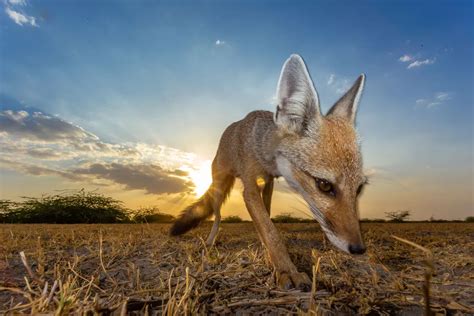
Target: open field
point(131, 268)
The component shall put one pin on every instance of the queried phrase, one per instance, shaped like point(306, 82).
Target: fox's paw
point(298, 280)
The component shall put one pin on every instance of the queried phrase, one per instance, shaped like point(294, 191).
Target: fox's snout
point(357, 249)
point(341, 225)
point(349, 241)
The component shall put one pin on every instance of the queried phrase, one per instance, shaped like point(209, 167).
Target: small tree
point(151, 214)
point(470, 219)
point(398, 216)
point(76, 207)
point(232, 219)
point(286, 218)
point(7, 207)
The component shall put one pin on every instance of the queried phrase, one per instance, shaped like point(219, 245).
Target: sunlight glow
point(201, 177)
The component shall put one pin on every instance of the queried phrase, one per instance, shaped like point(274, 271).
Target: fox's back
point(244, 143)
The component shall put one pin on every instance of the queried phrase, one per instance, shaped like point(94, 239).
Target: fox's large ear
point(347, 105)
point(298, 102)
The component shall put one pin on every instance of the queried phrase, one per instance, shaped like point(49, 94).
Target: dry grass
point(120, 269)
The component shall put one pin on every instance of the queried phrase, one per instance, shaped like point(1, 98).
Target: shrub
point(470, 219)
point(398, 216)
point(232, 219)
point(287, 218)
point(78, 207)
point(150, 215)
point(6, 208)
point(372, 220)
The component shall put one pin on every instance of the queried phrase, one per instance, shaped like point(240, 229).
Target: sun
point(201, 176)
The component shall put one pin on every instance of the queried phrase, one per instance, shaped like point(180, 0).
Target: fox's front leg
point(287, 274)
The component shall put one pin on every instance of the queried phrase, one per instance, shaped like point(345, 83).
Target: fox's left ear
point(347, 105)
point(298, 102)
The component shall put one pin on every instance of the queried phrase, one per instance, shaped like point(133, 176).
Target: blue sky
point(155, 76)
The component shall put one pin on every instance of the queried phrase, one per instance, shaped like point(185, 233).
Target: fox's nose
point(356, 249)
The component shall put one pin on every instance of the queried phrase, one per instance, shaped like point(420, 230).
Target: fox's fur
point(311, 151)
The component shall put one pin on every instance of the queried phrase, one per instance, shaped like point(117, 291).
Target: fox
point(318, 156)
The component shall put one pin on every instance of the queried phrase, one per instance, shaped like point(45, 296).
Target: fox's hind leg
point(267, 195)
point(220, 188)
point(215, 228)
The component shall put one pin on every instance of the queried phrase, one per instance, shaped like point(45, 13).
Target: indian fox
point(318, 155)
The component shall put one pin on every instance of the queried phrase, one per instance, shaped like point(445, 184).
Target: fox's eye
point(325, 186)
point(359, 189)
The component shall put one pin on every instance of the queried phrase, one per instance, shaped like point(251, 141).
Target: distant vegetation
point(289, 218)
point(398, 216)
point(91, 207)
point(232, 219)
point(76, 207)
point(372, 220)
point(150, 215)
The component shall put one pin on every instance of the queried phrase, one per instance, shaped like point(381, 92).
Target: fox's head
point(319, 155)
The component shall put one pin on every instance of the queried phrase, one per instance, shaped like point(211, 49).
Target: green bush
point(150, 215)
point(232, 219)
point(470, 219)
point(78, 207)
point(288, 218)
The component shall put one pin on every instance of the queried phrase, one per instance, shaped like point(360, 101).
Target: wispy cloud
point(40, 144)
point(443, 96)
point(405, 58)
point(20, 18)
point(338, 84)
point(220, 42)
point(438, 99)
point(419, 63)
point(17, 2)
point(414, 63)
point(331, 79)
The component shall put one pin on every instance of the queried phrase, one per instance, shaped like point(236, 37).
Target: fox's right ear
point(298, 102)
point(347, 105)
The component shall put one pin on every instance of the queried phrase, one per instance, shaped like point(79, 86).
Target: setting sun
point(201, 177)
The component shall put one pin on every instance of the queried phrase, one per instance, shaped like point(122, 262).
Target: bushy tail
point(203, 208)
point(193, 215)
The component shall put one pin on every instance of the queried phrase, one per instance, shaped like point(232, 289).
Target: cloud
point(19, 18)
point(405, 58)
point(331, 79)
point(419, 63)
point(433, 104)
point(220, 42)
point(416, 63)
point(369, 172)
point(151, 178)
point(443, 96)
point(338, 84)
point(36, 170)
point(45, 132)
point(39, 126)
point(438, 99)
point(43, 153)
point(38, 144)
point(17, 2)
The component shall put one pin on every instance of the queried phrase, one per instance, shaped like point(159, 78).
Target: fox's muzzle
point(357, 249)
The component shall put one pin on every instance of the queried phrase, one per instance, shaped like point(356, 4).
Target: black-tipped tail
point(192, 216)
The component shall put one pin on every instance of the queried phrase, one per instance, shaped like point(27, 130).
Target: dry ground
point(135, 269)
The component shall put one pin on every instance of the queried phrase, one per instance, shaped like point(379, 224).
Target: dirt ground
point(135, 269)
